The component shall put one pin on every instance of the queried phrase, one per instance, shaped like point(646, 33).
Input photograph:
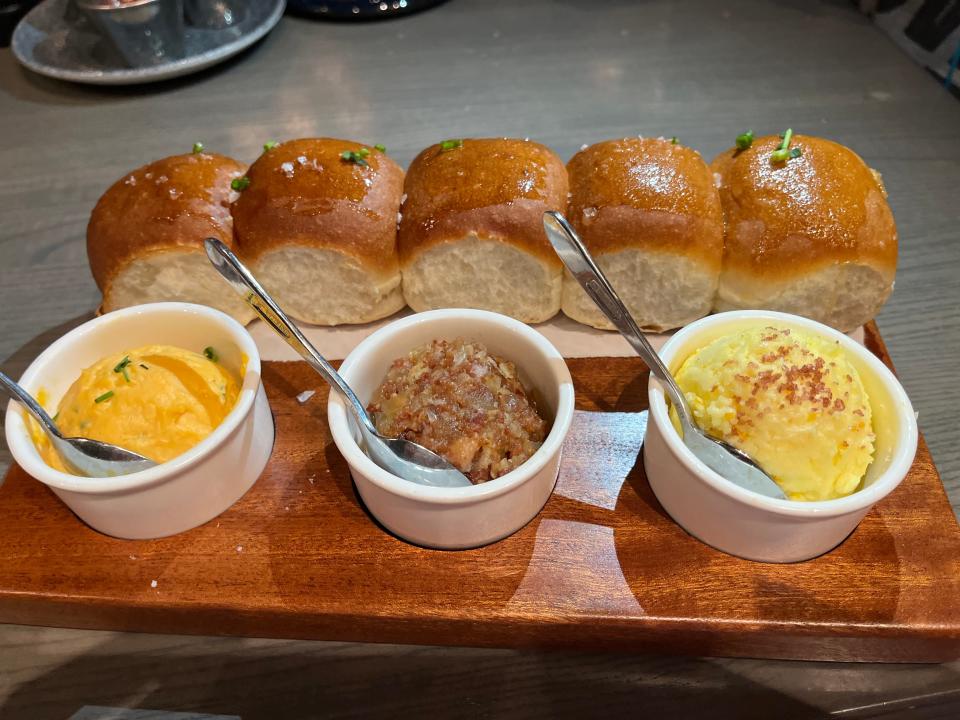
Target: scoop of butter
point(789, 399)
point(157, 400)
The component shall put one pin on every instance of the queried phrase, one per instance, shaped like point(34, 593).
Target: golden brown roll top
point(471, 233)
point(649, 212)
point(318, 223)
point(812, 235)
point(145, 235)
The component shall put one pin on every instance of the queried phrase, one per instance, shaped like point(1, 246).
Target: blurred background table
point(564, 73)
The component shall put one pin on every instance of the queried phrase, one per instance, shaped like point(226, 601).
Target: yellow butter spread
point(789, 399)
point(156, 400)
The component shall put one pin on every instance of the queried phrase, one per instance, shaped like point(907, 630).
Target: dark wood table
point(562, 72)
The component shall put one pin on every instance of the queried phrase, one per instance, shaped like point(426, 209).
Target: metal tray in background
point(48, 44)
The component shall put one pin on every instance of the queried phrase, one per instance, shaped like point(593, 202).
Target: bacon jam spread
point(463, 403)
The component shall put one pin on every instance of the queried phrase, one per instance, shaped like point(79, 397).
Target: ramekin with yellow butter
point(791, 400)
point(816, 408)
point(211, 473)
point(157, 400)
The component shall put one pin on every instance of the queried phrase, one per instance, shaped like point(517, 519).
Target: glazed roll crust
point(649, 212)
point(813, 235)
point(320, 230)
point(471, 233)
point(145, 235)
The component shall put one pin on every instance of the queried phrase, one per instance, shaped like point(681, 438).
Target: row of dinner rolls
point(338, 233)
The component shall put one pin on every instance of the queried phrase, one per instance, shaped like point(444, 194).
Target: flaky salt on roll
point(317, 223)
point(808, 231)
point(145, 235)
point(649, 212)
point(472, 228)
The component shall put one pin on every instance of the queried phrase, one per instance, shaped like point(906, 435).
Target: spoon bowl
point(727, 461)
point(80, 455)
point(402, 457)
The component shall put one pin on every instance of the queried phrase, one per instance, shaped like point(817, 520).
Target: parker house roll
point(317, 223)
point(648, 211)
point(812, 234)
point(145, 236)
point(472, 233)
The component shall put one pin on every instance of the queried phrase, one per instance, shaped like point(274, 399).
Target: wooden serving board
point(601, 567)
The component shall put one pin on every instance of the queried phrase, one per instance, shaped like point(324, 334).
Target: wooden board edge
point(919, 645)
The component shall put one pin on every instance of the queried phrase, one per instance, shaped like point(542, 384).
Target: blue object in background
point(954, 62)
point(929, 31)
point(358, 9)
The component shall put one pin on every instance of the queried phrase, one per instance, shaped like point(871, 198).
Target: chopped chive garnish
point(197, 148)
point(364, 152)
point(450, 145)
point(122, 368)
point(795, 152)
point(355, 156)
point(106, 396)
point(240, 184)
point(745, 140)
point(56, 416)
point(211, 354)
point(673, 140)
point(381, 147)
point(782, 153)
point(270, 145)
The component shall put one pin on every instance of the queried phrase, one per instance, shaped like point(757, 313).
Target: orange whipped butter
point(156, 400)
point(789, 399)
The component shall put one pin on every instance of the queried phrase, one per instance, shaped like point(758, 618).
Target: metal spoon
point(81, 456)
point(403, 458)
point(721, 457)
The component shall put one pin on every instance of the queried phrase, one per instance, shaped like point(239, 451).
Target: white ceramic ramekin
point(457, 518)
point(751, 526)
point(188, 490)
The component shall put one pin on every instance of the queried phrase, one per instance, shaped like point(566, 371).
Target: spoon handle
point(578, 261)
point(26, 399)
point(243, 281)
